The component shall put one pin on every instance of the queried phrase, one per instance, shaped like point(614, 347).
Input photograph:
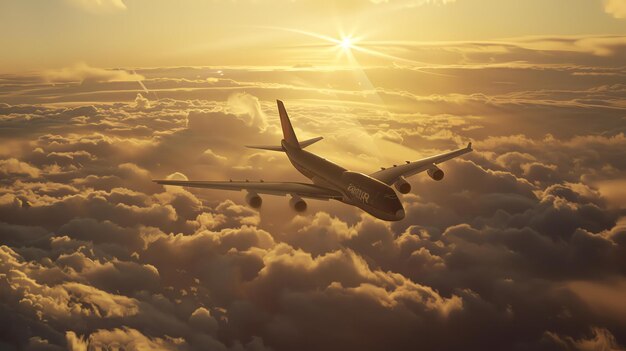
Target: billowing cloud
point(248, 106)
point(14, 166)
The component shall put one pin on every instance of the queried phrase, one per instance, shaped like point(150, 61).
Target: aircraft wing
point(392, 174)
point(273, 188)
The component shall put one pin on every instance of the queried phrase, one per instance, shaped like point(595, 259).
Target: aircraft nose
point(400, 214)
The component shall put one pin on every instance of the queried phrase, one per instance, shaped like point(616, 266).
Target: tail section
point(288, 134)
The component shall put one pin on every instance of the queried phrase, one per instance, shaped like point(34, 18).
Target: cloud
point(126, 338)
point(99, 6)
point(615, 8)
point(84, 73)
point(600, 339)
point(520, 246)
point(211, 157)
point(201, 318)
point(55, 301)
point(141, 102)
point(613, 191)
point(14, 166)
point(243, 104)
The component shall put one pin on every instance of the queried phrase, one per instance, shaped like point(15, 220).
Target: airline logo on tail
point(359, 193)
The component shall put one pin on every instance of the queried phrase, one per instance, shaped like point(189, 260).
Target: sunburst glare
point(346, 43)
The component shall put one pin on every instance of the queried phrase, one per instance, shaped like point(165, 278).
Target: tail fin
point(288, 133)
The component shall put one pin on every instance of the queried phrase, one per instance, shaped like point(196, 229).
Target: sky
point(522, 245)
point(140, 33)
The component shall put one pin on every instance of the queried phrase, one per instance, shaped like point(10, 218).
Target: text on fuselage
point(359, 193)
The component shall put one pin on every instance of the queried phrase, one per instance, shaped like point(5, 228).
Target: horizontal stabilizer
point(306, 143)
point(271, 148)
point(303, 144)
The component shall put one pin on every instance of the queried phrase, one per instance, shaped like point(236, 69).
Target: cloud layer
point(522, 245)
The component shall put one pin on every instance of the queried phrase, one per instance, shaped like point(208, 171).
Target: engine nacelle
point(435, 173)
point(297, 204)
point(254, 200)
point(402, 186)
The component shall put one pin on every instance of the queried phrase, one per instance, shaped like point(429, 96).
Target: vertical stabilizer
point(288, 133)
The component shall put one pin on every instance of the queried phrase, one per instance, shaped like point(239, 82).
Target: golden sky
point(42, 34)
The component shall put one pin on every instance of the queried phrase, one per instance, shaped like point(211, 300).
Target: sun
point(346, 43)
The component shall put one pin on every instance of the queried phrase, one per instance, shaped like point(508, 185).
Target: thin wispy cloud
point(82, 72)
point(99, 6)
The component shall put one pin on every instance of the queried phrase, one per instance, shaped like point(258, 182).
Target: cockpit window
point(391, 196)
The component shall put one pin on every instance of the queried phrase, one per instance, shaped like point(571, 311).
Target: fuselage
point(357, 189)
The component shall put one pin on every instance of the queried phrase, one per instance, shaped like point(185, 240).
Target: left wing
point(392, 174)
point(273, 188)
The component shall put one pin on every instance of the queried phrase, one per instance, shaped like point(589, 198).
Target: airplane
point(371, 193)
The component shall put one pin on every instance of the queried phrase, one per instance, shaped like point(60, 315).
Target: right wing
point(392, 174)
point(273, 188)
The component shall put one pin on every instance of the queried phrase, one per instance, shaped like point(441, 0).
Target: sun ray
point(345, 47)
point(346, 44)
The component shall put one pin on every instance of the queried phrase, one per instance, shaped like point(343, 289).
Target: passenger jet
point(372, 193)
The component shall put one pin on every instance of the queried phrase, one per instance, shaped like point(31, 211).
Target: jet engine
point(297, 204)
point(402, 186)
point(435, 173)
point(254, 200)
